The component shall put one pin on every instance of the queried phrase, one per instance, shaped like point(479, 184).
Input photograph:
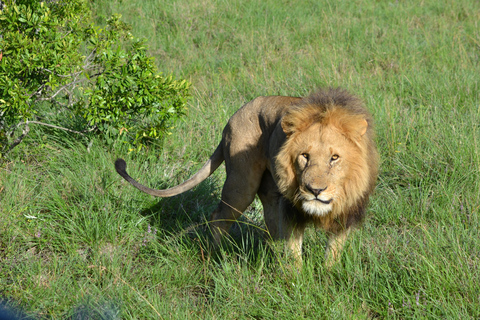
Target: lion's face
point(323, 168)
point(323, 159)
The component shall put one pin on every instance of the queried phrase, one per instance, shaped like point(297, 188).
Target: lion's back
point(253, 124)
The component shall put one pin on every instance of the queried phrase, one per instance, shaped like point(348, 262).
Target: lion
point(310, 160)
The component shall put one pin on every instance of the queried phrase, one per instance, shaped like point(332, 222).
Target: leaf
point(123, 88)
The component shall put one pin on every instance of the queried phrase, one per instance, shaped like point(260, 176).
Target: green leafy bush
point(54, 61)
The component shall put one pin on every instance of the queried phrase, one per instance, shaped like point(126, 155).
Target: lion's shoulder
point(266, 107)
point(260, 115)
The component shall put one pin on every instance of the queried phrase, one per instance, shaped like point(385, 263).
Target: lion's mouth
point(314, 199)
point(324, 201)
point(317, 207)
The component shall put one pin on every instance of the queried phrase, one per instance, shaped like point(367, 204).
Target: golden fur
point(310, 160)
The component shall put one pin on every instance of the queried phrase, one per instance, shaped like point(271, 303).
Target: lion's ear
point(355, 129)
point(362, 127)
point(287, 126)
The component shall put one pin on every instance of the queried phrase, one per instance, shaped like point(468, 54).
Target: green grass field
point(78, 241)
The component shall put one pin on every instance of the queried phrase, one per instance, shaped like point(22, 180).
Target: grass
point(77, 241)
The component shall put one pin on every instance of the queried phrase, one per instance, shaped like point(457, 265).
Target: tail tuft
point(120, 166)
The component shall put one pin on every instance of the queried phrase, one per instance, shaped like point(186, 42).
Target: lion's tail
point(208, 168)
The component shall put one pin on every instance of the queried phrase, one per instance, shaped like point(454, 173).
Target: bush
point(54, 61)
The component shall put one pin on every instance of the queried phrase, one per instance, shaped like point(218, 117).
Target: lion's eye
point(335, 157)
point(305, 155)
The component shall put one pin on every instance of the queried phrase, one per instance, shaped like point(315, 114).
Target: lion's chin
point(316, 207)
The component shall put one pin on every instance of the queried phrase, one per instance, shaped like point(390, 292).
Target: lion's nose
point(315, 191)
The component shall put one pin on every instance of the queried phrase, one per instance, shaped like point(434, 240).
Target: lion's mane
point(343, 111)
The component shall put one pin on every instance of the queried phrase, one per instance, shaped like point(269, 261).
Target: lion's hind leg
point(238, 193)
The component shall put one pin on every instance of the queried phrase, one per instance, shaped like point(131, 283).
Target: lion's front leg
point(335, 245)
point(294, 245)
point(289, 239)
point(290, 229)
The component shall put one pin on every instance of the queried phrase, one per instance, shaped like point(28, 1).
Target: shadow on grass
point(175, 214)
point(186, 216)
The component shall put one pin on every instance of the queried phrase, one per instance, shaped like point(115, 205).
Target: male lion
point(309, 159)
